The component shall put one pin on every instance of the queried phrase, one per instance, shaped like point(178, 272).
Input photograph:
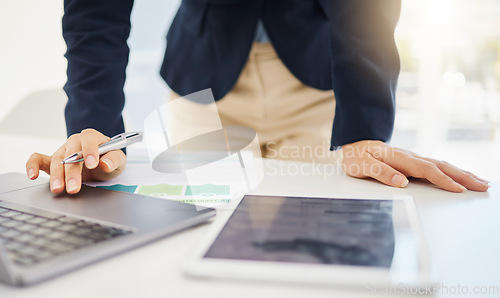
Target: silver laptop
point(43, 235)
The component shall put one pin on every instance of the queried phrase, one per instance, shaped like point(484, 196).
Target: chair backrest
point(38, 114)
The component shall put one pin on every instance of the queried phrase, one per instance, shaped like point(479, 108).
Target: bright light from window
point(448, 101)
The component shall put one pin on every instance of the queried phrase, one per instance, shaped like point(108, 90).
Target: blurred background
point(448, 98)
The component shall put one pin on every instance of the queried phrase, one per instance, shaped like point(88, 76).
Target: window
point(448, 98)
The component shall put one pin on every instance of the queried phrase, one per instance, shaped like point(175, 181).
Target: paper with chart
point(212, 185)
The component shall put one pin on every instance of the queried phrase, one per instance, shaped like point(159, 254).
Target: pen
point(117, 142)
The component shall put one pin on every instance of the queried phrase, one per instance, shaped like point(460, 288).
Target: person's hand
point(70, 176)
point(392, 166)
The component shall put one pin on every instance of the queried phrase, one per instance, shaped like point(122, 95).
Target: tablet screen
point(316, 230)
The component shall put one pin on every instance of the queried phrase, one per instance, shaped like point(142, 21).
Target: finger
point(464, 178)
point(368, 166)
point(111, 165)
point(37, 162)
point(112, 161)
point(90, 140)
point(57, 170)
point(73, 171)
point(385, 173)
point(420, 168)
point(478, 178)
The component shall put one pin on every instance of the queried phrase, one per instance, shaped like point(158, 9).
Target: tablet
point(348, 241)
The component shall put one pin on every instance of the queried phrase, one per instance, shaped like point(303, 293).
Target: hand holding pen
point(85, 156)
point(117, 142)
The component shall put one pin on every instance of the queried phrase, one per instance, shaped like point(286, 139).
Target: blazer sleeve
point(96, 33)
point(365, 68)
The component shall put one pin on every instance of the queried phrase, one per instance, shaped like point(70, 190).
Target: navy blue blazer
point(344, 45)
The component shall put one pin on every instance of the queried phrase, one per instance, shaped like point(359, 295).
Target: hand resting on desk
point(392, 166)
point(362, 159)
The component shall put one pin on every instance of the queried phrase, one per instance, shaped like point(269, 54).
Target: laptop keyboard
point(32, 237)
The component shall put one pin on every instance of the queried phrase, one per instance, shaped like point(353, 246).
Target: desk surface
point(461, 230)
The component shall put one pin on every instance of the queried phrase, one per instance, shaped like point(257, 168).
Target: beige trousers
point(292, 121)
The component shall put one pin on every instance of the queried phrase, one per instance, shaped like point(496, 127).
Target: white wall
point(31, 49)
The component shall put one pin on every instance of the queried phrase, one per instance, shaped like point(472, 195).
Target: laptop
point(43, 235)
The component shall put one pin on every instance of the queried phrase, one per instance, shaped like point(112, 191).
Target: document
point(212, 185)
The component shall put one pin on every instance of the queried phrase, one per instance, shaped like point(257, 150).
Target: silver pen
point(117, 142)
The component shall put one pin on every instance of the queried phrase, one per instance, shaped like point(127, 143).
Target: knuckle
point(88, 131)
point(386, 172)
point(35, 156)
point(55, 160)
point(89, 146)
point(430, 168)
point(34, 159)
point(403, 151)
point(399, 151)
point(469, 174)
point(443, 163)
point(377, 152)
point(73, 137)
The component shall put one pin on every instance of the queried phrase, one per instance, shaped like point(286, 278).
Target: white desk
point(462, 231)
